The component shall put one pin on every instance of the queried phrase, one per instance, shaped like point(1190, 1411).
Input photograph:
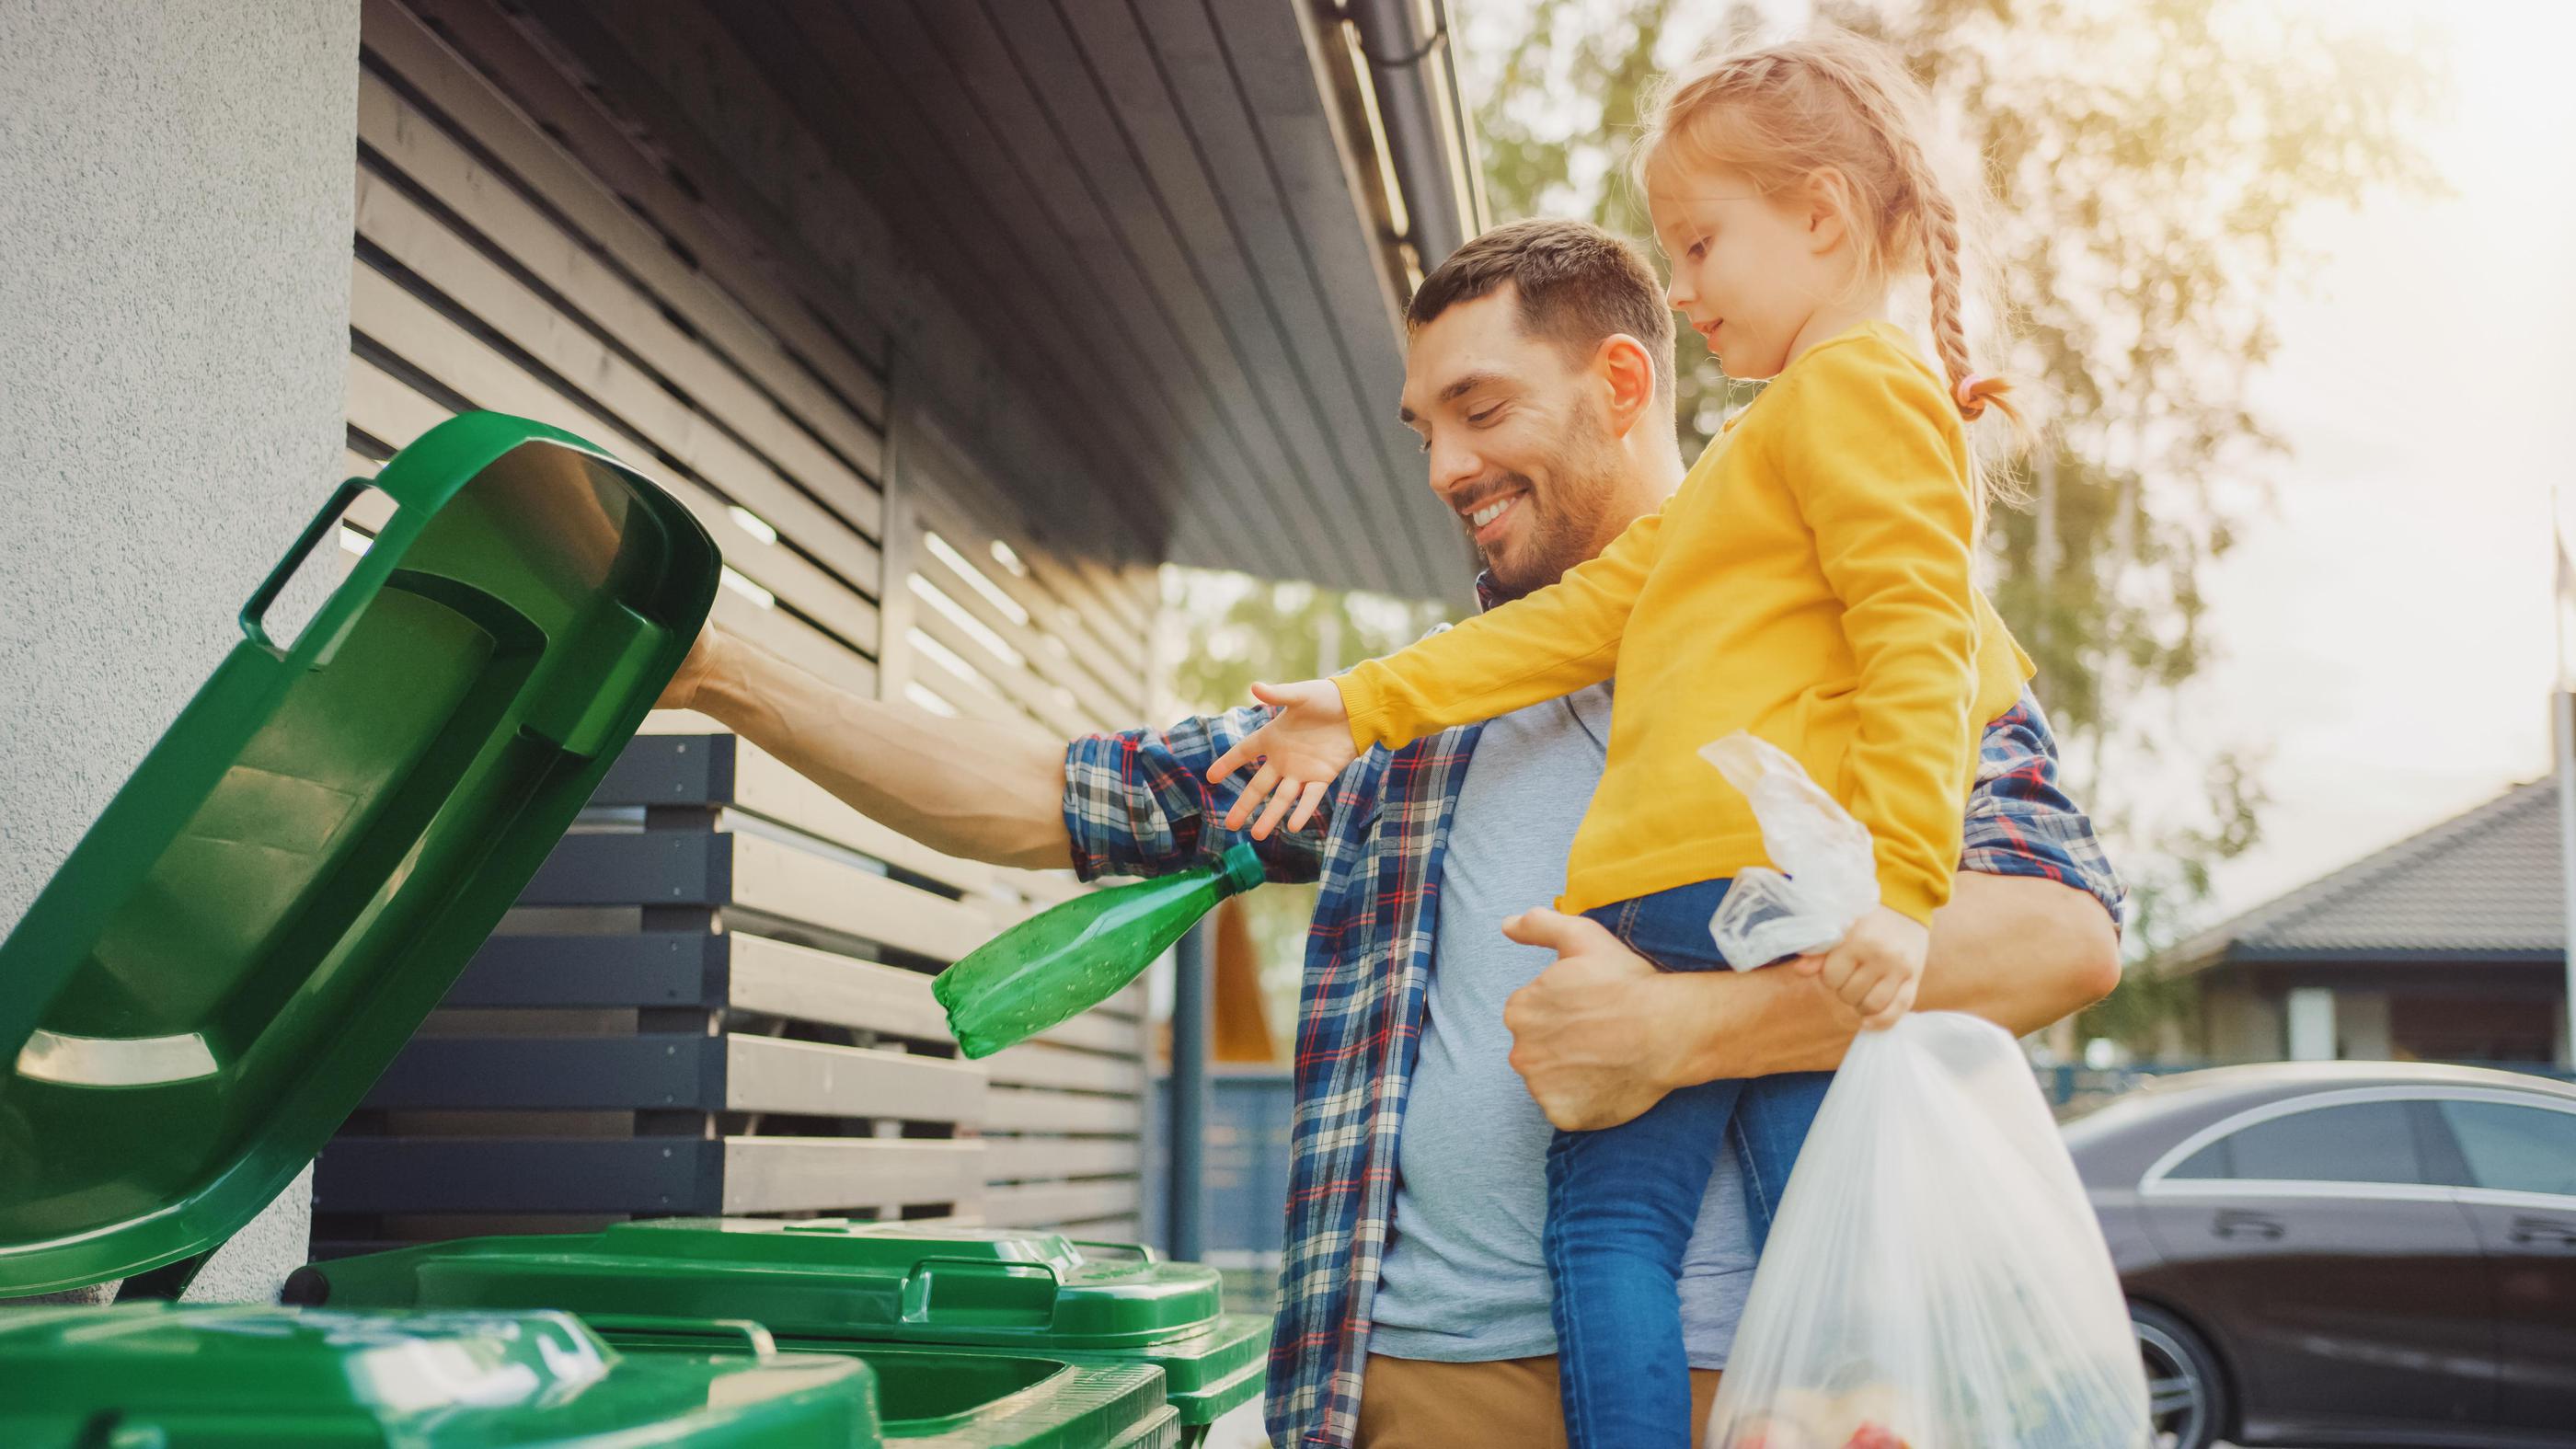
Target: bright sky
point(2389, 631)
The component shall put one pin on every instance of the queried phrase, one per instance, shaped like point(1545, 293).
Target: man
point(1433, 1054)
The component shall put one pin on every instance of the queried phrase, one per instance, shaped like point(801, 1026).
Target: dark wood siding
point(1140, 208)
point(715, 997)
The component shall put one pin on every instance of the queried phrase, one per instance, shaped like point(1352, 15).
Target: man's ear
point(1626, 373)
point(1827, 199)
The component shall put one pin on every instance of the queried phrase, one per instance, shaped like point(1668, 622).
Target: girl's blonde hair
point(1837, 102)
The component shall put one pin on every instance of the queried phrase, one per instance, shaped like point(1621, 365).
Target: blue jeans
point(1621, 1203)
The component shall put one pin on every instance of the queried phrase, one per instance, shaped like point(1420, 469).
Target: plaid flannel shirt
point(1138, 803)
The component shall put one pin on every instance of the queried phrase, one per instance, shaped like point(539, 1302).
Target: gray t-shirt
point(1463, 1279)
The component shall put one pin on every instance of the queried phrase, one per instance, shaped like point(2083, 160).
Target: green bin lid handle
point(741, 1335)
point(254, 615)
point(977, 1290)
point(1140, 1252)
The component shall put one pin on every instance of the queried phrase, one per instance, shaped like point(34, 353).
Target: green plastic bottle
point(1069, 958)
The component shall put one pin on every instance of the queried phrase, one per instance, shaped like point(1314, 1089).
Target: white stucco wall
point(2363, 1026)
point(175, 216)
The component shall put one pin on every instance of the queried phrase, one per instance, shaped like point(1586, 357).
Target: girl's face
point(1749, 271)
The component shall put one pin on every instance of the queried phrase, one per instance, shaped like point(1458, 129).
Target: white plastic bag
point(1832, 877)
point(1935, 1278)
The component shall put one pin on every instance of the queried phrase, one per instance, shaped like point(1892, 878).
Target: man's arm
point(1602, 1035)
point(2018, 951)
point(964, 787)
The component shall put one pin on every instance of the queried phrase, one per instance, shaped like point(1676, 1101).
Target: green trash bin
point(314, 849)
point(154, 1376)
point(260, 919)
point(837, 1286)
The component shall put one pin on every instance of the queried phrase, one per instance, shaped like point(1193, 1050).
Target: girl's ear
point(1826, 200)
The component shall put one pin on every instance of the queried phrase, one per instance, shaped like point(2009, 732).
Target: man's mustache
point(1508, 483)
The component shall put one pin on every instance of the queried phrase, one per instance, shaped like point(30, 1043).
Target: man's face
point(1518, 442)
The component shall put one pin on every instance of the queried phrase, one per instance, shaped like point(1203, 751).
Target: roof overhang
point(1187, 230)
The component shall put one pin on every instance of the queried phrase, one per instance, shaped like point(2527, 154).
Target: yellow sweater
point(1810, 582)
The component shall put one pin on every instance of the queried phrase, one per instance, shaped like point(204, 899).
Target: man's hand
point(1596, 1036)
point(1302, 750)
point(1876, 967)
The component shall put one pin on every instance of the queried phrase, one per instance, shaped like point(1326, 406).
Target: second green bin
point(834, 1285)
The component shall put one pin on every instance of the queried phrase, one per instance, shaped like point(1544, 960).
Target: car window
point(2356, 1142)
point(2515, 1149)
point(2209, 1162)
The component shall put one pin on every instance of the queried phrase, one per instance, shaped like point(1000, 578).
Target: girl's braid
point(1939, 219)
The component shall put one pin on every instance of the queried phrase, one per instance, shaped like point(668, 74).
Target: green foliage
point(1243, 630)
point(2161, 902)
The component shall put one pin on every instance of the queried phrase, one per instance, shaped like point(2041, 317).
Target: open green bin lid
point(829, 1283)
point(298, 870)
point(153, 1376)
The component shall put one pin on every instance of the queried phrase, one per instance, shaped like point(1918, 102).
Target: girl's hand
point(1303, 748)
point(1876, 967)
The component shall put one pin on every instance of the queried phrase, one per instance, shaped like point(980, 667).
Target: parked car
point(2346, 1253)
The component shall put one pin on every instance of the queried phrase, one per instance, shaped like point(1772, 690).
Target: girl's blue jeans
point(1621, 1203)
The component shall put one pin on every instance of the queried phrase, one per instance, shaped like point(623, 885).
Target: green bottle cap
point(1240, 870)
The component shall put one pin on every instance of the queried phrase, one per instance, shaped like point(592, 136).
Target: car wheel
point(2186, 1394)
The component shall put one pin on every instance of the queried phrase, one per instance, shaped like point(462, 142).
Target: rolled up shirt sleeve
point(2021, 821)
point(1138, 802)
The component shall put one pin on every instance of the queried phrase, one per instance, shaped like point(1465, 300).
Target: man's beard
point(1565, 524)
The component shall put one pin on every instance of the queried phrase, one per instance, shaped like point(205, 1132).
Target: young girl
point(1810, 582)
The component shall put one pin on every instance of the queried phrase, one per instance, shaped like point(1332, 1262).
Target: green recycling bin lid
point(301, 866)
point(155, 1376)
point(965, 1398)
point(935, 1399)
point(1205, 1376)
point(831, 1283)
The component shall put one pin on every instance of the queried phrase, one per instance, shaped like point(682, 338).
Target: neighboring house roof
point(2481, 886)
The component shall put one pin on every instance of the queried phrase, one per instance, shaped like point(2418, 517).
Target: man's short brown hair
point(1577, 284)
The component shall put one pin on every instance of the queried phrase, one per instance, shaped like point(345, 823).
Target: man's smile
point(1485, 519)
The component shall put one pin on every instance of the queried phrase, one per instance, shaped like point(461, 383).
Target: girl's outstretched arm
point(1536, 647)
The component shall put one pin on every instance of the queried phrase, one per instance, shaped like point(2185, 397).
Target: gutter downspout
point(1193, 985)
point(1427, 134)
